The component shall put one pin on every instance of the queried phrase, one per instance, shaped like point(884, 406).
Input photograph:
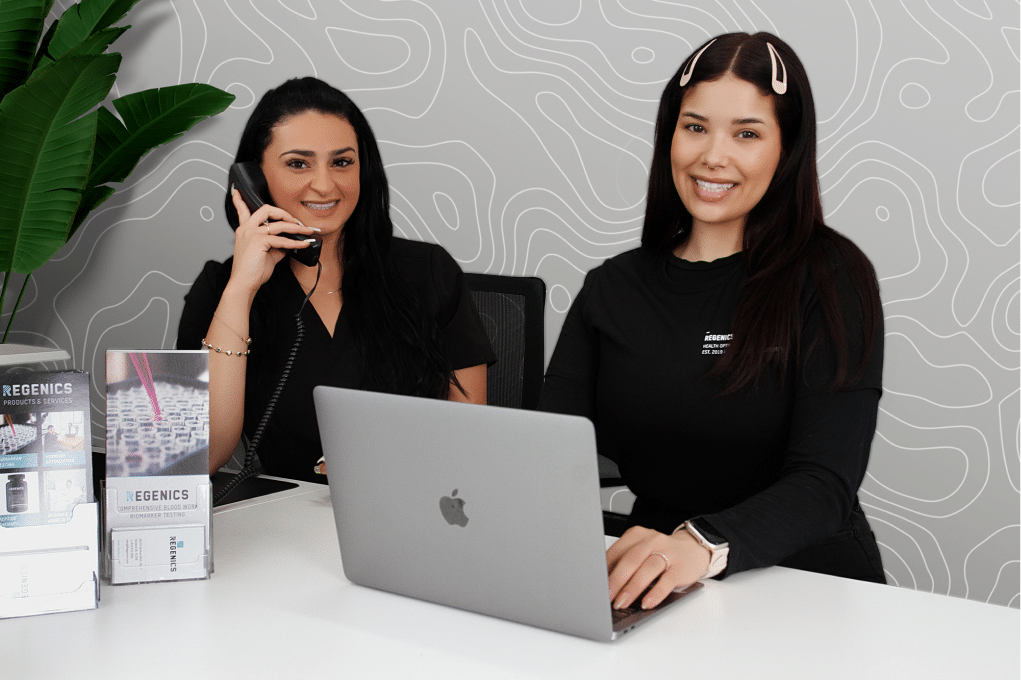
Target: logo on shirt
point(715, 343)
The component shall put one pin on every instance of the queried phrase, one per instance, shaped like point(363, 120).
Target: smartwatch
point(717, 546)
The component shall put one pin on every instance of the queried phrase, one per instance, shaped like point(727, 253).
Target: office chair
point(617, 500)
point(511, 308)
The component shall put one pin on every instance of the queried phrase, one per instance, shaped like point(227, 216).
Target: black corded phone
point(248, 179)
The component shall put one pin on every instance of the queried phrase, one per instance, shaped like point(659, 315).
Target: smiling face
point(312, 167)
point(725, 150)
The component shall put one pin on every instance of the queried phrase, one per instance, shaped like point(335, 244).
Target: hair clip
point(686, 74)
point(779, 86)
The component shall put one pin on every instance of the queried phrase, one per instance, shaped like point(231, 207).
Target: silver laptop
point(488, 509)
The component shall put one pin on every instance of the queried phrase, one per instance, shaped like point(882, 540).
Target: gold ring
point(665, 559)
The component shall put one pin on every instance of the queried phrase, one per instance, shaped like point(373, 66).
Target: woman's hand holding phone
point(258, 248)
point(259, 244)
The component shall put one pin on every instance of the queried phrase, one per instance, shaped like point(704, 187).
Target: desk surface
point(279, 606)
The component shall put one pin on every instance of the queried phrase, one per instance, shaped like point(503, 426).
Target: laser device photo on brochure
point(248, 179)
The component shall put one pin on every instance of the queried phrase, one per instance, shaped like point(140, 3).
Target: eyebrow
point(736, 121)
point(311, 154)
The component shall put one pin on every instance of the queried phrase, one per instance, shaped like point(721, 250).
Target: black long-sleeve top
point(774, 468)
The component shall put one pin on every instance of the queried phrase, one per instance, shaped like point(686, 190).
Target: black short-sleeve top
point(290, 445)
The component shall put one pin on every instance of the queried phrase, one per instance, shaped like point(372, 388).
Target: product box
point(158, 495)
point(49, 521)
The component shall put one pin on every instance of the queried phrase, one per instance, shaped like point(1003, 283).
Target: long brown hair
point(784, 235)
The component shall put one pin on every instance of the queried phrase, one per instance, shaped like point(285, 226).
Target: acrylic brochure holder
point(51, 568)
point(49, 521)
point(160, 530)
point(158, 495)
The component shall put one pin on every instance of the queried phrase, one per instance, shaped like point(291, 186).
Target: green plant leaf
point(94, 44)
point(21, 24)
point(91, 199)
point(44, 44)
point(83, 20)
point(151, 118)
point(47, 147)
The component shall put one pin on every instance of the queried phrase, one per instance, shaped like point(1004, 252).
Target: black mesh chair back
point(511, 308)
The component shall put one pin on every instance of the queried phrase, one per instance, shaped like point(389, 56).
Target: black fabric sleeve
point(570, 384)
point(826, 456)
point(464, 337)
point(200, 303)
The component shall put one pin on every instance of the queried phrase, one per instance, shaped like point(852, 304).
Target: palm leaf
point(92, 198)
point(94, 44)
point(151, 118)
point(21, 24)
point(44, 44)
point(84, 20)
point(47, 149)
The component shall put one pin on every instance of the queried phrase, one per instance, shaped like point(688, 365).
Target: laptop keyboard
point(620, 614)
point(625, 618)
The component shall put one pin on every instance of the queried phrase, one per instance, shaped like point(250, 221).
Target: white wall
point(517, 133)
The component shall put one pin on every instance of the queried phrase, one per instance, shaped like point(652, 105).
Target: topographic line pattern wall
point(517, 133)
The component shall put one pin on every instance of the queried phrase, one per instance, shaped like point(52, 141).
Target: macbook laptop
point(489, 509)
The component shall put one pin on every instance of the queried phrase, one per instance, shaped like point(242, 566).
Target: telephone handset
point(248, 179)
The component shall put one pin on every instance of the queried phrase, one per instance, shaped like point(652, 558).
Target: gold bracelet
point(228, 352)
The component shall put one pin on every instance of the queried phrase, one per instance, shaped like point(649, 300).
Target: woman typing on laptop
point(732, 364)
point(374, 312)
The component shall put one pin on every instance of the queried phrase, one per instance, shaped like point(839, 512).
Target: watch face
point(711, 537)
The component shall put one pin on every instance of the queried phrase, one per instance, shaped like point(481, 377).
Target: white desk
point(278, 606)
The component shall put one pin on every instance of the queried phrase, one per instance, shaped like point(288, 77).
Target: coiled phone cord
point(249, 469)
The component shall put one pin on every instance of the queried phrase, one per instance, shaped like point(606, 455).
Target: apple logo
point(452, 510)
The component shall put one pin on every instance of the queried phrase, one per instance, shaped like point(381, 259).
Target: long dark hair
point(400, 344)
point(784, 235)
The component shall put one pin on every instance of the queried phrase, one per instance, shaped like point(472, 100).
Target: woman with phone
point(732, 364)
point(377, 313)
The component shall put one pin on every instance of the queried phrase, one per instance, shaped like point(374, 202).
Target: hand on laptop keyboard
point(645, 566)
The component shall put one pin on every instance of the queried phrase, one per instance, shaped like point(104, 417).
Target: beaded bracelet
point(227, 351)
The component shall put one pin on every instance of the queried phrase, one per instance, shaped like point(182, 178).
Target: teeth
point(320, 206)
point(710, 186)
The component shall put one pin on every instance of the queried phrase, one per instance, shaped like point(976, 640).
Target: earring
point(779, 86)
point(686, 74)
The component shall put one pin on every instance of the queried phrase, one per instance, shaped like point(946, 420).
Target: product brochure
point(45, 447)
point(49, 537)
point(158, 496)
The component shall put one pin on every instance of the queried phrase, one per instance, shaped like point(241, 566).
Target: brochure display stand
point(51, 568)
point(158, 531)
point(158, 495)
point(49, 520)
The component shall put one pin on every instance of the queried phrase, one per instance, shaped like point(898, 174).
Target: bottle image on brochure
point(17, 494)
